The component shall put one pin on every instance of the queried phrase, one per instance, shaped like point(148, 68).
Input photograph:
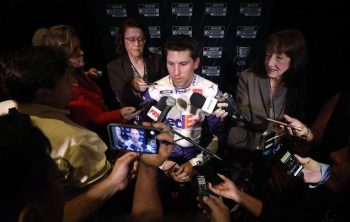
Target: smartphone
point(289, 162)
point(283, 124)
point(133, 138)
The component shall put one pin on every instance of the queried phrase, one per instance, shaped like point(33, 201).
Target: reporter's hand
point(124, 169)
point(129, 113)
point(311, 171)
point(226, 189)
point(221, 113)
point(165, 148)
point(139, 84)
point(183, 174)
point(219, 212)
point(93, 73)
point(297, 123)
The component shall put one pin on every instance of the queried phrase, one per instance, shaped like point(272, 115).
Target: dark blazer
point(253, 98)
point(120, 75)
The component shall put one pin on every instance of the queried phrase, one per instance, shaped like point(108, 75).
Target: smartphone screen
point(290, 163)
point(133, 138)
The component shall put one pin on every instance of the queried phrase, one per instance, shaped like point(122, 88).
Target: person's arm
point(146, 201)
point(314, 173)
point(87, 114)
point(85, 204)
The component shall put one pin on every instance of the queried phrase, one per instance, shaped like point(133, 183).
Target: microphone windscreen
point(170, 101)
point(162, 103)
point(197, 100)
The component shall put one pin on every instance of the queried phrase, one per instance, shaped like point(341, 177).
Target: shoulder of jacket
point(118, 61)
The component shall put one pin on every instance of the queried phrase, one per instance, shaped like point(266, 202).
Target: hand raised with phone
point(295, 122)
point(165, 146)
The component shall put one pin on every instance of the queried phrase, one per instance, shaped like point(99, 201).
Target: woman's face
point(134, 41)
point(76, 59)
point(276, 64)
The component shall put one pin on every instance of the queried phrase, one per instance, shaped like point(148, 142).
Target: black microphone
point(209, 104)
point(170, 102)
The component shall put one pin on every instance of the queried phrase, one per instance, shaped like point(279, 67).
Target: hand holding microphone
point(221, 112)
point(223, 104)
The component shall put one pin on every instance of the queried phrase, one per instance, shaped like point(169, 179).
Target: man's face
point(340, 171)
point(181, 66)
point(134, 133)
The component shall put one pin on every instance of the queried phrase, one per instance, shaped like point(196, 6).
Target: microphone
point(170, 102)
point(155, 111)
point(209, 104)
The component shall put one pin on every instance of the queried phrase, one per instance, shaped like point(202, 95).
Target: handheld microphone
point(209, 104)
point(170, 102)
point(155, 111)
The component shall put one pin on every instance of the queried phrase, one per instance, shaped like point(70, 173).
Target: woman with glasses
point(136, 68)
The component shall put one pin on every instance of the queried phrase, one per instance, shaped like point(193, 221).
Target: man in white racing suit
point(182, 58)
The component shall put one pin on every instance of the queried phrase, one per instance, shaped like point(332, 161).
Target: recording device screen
point(290, 163)
point(133, 138)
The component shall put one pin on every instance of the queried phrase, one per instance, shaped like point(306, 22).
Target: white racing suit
point(185, 118)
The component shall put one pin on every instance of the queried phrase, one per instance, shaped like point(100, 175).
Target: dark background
point(324, 25)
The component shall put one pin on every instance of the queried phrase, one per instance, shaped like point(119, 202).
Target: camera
point(133, 138)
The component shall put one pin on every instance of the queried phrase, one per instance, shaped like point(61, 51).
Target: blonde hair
point(61, 36)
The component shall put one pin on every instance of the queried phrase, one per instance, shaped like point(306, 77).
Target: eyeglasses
point(132, 40)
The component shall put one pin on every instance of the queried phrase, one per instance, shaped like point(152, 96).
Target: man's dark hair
point(28, 69)
point(182, 43)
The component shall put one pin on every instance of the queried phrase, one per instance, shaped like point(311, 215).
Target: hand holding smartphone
point(133, 138)
point(283, 124)
point(289, 162)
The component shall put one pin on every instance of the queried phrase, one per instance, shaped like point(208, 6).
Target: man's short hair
point(28, 69)
point(182, 43)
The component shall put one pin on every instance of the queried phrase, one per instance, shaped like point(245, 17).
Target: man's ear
point(42, 95)
point(196, 62)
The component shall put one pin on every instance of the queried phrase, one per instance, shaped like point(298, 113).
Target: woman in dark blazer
point(271, 88)
point(130, 74)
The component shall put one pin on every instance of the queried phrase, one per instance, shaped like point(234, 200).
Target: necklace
point(136, 73)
